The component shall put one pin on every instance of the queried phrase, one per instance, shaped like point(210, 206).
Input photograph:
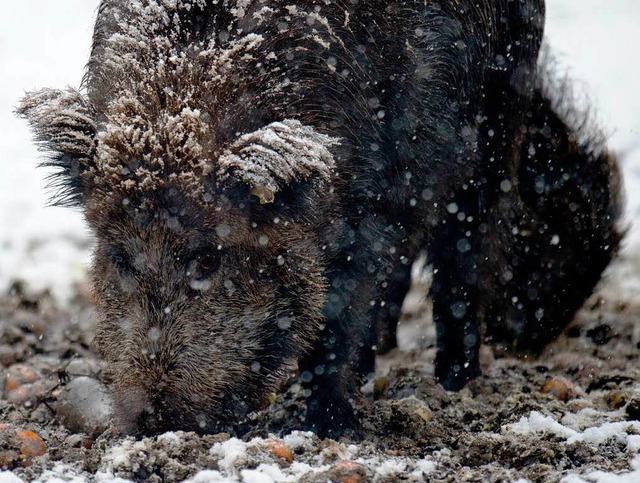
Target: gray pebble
point(85, 406)
point(80, 367)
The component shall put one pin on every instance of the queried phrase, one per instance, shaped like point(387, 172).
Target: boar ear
point(277, 156)
point(64, 128)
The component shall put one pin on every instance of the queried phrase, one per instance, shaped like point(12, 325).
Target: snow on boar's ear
point(64, 128)
point(276, 156)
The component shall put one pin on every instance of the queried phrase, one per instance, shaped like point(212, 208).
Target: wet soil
point(54, 419)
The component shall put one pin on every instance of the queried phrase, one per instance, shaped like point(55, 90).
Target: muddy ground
point(572, 411)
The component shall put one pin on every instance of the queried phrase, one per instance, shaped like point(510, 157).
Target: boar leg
point(455, 295)
point(328, 372)
point(568, 186)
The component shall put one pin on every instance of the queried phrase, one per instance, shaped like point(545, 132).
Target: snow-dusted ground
point(45, 43)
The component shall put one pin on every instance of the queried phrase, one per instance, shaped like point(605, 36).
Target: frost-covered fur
point(280, 153)
point(260, 176)
point(65, 129)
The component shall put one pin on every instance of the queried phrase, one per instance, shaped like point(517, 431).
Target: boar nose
point(151, 421)
point(140, 414)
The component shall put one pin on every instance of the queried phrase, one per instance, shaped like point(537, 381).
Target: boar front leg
point(453, 254)
point(332, 372)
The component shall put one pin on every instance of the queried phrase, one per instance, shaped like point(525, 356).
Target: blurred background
point(45, 43)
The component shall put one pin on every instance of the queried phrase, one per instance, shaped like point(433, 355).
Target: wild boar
point(260, 175)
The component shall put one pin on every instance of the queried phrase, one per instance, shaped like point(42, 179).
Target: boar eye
point(203, 266)
point(209, 263)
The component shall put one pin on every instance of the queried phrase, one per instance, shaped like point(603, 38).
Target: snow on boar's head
point(207, 270)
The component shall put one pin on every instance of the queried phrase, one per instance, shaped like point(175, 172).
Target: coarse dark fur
point(260, 176)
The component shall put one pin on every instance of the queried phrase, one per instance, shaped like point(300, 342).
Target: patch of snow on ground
point(207, 476)
point(602, 477)
point(537, 422)
point(232, 454)
point(60, 474)
point(388, 469)
point(423, 468)
point(8, 477)
point(624, 431)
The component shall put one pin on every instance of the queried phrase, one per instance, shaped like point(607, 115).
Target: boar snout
point(144, 411)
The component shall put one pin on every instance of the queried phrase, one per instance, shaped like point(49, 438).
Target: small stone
point(31, 444)
point(615, 400)
point(413, 409)
point(85, 406)
point(272, 397)
point(24, 385)
point(9, 459)
point(633, 410)
point(18, 375)
point(279, 450)
point(41, 414)
point(79, 367)
point(18, 447)
point(8, 355)
point(18, 395)
point(74, 441)
point(561, 388)
point(332, 452)
point(381, 386)
point(342, 472)
point(580, 404)
point(425, 414)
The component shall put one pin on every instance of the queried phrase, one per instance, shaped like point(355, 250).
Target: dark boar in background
point(260, 176)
